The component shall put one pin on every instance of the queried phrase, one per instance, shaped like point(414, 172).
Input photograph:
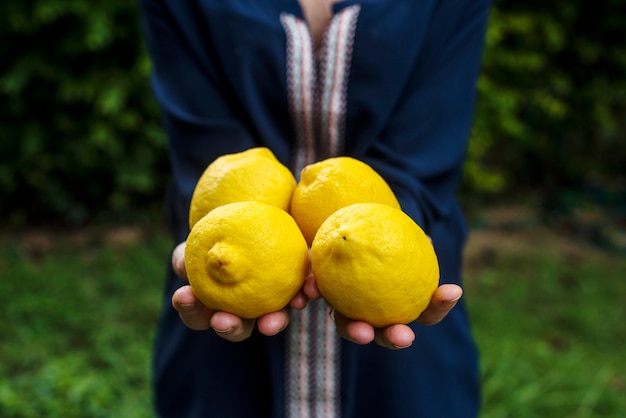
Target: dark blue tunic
point(220, 75)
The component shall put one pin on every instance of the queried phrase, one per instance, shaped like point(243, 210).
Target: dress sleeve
point(422, 147)
point(201, 115)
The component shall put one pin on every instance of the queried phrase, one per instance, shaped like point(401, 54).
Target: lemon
point(373, 263)
point(254, 174)
point(334, 183)
point(247, 258)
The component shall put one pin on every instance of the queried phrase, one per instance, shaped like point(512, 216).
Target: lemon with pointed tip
point(332, 184)
point(373, 263)
point(247, 258)
point(254, 174)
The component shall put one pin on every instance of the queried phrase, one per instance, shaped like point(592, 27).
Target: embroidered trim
point(301, 78)
point(334, 70)
point(317, 102)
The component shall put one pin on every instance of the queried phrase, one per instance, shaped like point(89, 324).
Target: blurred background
point(83, 173)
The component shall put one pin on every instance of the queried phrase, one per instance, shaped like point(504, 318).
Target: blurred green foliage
point(79, 311)
point(81, 134)
point(543, 354)
point(552, 99)
point(78, 322)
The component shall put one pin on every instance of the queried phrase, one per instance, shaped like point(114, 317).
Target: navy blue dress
point(394, 85)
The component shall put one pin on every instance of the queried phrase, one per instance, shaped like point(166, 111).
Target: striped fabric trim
point(334, 70)
point(317, 102)
point(301, 79)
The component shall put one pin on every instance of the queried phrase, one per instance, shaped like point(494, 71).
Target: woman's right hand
point(228, 326)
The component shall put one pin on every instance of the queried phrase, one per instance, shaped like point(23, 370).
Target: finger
point(231, 327)
point(273, 323)
point(358, 332)
point(299, 301)
point(395, 337)
point(192, 312)
point(308, 292)
point(444, 299)
point(178, 261)
point(310, 287)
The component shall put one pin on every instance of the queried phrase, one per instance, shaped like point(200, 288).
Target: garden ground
point(79, 309)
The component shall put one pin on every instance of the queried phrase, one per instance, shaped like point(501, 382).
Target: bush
point(551, 99)
point(82, 135)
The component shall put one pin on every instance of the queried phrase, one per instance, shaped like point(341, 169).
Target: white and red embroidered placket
point(317, 86)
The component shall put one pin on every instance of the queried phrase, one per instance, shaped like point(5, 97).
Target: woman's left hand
point(396, 336)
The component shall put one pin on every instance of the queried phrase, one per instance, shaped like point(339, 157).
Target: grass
point(77, 326)
point(549, 320)
point(79, 310)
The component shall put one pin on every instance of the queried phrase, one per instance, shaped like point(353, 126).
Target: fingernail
point(332, 314)
point(277, 332)
point(187, 306)
point(223, 331)
point(406, 346)
point(453, 301)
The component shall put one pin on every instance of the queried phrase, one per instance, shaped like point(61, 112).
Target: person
point(391, 83)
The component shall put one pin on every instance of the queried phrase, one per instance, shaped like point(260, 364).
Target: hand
point(228, 326)
point(396, 336)
point(233, 328)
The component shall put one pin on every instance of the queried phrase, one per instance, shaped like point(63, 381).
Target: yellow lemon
point(247, 258)
point(254, 174)
point(373, 263)
point(332, 184)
